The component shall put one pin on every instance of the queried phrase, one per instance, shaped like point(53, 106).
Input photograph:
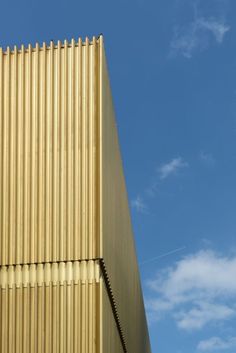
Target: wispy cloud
point(197, 35)
point(217, 27)
point(139, 205)
point(171, 167)
point(217, 344)
point(153, 187)
point(207, 158)
point(198, 290)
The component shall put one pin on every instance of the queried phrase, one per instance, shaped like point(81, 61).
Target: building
point(69, 279)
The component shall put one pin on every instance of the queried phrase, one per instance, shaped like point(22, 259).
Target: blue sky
point(172, 66)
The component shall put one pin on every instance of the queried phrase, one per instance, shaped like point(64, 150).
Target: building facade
point(69, 279)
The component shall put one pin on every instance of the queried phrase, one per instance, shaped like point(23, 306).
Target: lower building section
point(57, 308)
point(111, 338)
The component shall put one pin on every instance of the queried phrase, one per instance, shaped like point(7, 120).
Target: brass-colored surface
point(50, 308)
point(118, 246)
point(69, 279)
point(110, 336)
point(48, 153)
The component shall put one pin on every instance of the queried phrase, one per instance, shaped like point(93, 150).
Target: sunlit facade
point(69, 279)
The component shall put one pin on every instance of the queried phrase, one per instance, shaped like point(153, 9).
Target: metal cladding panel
point(118, 247)
point(62, 199)
point(52, 308)
point(111, 340)
point(48, 153)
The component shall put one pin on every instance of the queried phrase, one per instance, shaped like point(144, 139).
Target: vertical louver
point(69, 279)
point(49, 155)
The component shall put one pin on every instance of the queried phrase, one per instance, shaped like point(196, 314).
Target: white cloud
point(217, 344)
point(202, 314)
point(207, 158)
point(139, 205)
point(196, 35)
point(152, 189)
point(171, 167)
point(161, 173)
point(199, 289)
point(216, 27)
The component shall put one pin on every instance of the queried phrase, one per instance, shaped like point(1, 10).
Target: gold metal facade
point(49, 160)
point(69, 279)
point(50, 307)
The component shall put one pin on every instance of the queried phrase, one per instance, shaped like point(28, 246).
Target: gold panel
point(48, 153)
point(62, 199)
point(111, 339)
point(50, 308)
point(118, 248)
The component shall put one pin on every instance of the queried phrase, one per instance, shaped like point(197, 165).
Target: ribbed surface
point(50, 315)
point(118, 247)
point(110, 335)
point(62, 272)
point(63, 199)
point(48, 153)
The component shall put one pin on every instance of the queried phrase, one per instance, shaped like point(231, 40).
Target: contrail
point(163, 255)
